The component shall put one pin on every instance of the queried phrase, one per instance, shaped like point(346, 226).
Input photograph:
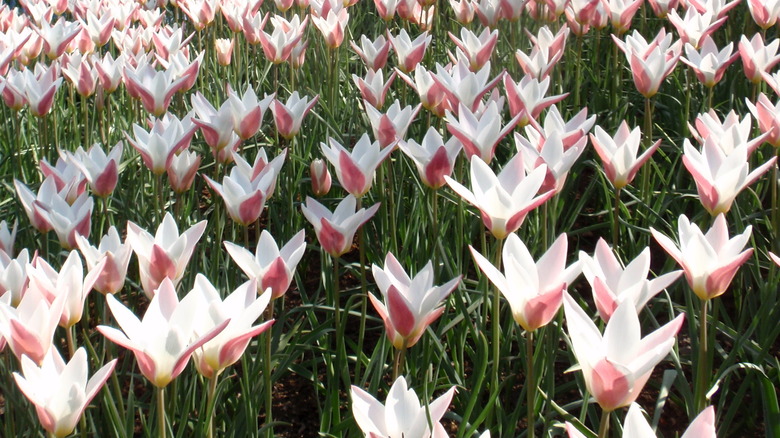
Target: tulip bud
point(320, 177)
point(181, 172)
point(224, 49)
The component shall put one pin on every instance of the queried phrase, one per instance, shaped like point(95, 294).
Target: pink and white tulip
point(335, 230)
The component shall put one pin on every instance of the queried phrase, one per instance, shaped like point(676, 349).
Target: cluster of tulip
point(175, 96)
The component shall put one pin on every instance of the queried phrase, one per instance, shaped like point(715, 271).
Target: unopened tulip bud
point(224, 48)
point(320, 177)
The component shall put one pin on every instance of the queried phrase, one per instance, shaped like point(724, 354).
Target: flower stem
point(161, 431)
point(604, 426)
point(269, 397)
point(210, 403)
point(616, 219)
point(398, 364)
point(363, 295)
point(530, 383)
point(702, 369)
point(496, 318)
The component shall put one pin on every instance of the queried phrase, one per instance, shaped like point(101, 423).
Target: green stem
point(269, 398)
point(210, 403)
point(161, 431)
point(496, 318)
point(703, 369)
point(398, 363)
point(578, 75)
point(616, 219)
point(775, 214)
point(604, 426)
point(530, 383)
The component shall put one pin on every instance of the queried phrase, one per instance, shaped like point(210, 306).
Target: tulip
point(154, 88)
point(764, 12)
point(68, 178)
point(694, 26)
point(98, 28)
point(758, 58)
point(260, 167)
point(373, 53)
point(650, 71)
point(430, 92)
point(201, 12)
point(720, 176)
point(636, 426)
point(109, 71)
point(728, 134)
point(7, 238)
point(401, 415)
point(166, 254)
point(116, 255)
point(709, 64)
point(617, 364)
point(527, 97)
point(355, 171)
point(60, 391)
point(79, 72)
point(216, 126)
point(29, 328)
point(167, 43)
point(621, 13)
point(767, 115)
point(69, 281)
point(463, 86)
point(69, 220)
point(247, 111)
point(373, 87)
point(57, 37)
point(13, 276)
point(181, 172)
point(464, 11)
point(661, 8)
point(489, 12)
point(243, 198)
point(504, 199)
point(718, 8)
point(35, 205)
point(224, 48)
point(619, 153)
point(710, 260)
point(409, 52)
point(410, 304)
point(332, 27)
point(335, 230)
point(320, 177)
point(477, 49)
point(101, 170)
point(534, 290)
point(613, 284)
point(434, 158)
point(271, 267)
point(165, 338)
point(386, 9)
point(391, 126)
point(278, 46)
point(241, 308)
point(40, 87)
point(550, 152)
point(158, 145)
point(288, 116)
point(479, 134)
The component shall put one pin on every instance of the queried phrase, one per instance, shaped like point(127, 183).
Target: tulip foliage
point(389, 218)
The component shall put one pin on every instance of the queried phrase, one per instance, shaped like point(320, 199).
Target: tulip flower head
point(335, 230)
point(409, 52)
point(373, 87)
point(480, 132)
point(709, 260)
point(719, 175)
point(181, 172)
point(504, 199)
point(434, 158)
point(164, 255)
point(391, 126)
point(768, 116)
point(101, 169)
point(617, 364)
point(7, 238)
point(355, 170)
point(709, 64)
point(410, 304)
point(758, 58)
point(165, 338)
point(477, 49)
point(60, 391)
point(402, 415)
point(612, 283)
point(534, 290)
point(619, 153)
point(272, 267)
point(13, 276)
point(373, 53)
point(320, 177)
point(116, 255)
point(288, 116)
point(29, 328)
point(224, 48)
point(527, 97)
point(241, 308)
